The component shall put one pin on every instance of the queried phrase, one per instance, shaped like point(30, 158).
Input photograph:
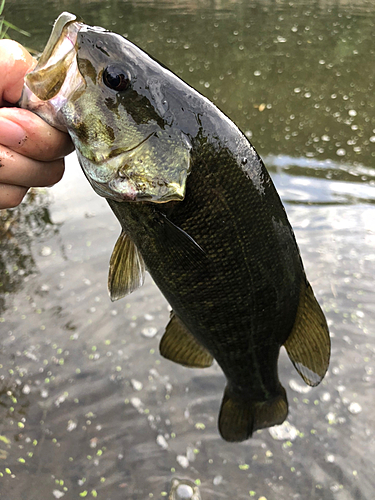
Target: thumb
point(15, 63)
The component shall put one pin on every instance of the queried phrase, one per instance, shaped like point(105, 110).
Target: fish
point(198, 210)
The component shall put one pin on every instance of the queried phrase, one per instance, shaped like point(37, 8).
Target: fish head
point(111, 97)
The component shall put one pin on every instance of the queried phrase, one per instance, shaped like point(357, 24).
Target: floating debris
point(71, 426)
point(161, 441)
point(58, 493)
point(217, 480)
point(149, 332)
point(137, 386)
point(325, 397)
point(285, 431)
point(184, 489)
point(46, 251)
point(183, 461)
point(355, 408)
point(26, 389)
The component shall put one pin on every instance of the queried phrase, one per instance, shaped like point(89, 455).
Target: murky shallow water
point(88, 408)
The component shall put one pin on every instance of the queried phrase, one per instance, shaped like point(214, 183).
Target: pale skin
point(31, 151)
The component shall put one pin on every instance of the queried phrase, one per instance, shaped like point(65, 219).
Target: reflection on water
point(18, 228)
point(87, 406)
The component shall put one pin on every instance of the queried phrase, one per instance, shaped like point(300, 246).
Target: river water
point(88, 408)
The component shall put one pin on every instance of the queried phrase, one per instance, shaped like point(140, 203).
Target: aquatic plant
point(6, 25)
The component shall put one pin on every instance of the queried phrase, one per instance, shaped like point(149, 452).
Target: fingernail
point(11, 134)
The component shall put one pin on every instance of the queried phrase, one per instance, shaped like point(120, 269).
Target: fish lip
point(65, 29)
point(46, 100)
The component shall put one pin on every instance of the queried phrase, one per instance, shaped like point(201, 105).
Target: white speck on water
point(335, 487)
point(355, 408)
point(136, 384)
point(86, 281)
point(297, 90)
point(281, 39)
point(46, 251)
point(330, 458)
point(331, 417)
point(184, 492)
point(257, 73)
point(322, 61)
point(58, 493)
point(352, 112)
point(161, 441)
point(372, 138)
point(325, 397)
point(190, 454)
point(183, 461)
point(149, 332)
point(284, 431)
point(71, 426)
point(217, 480)
point(249, 134)
point(60, 400)
point(44, 288)
point(341, 152)
point(26, 389)
point(148, 317)
point(297, 387)
point(137, 403)
point(44, 393)
point(326, 138)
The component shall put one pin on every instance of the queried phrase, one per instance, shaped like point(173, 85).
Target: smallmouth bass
point(198, 210)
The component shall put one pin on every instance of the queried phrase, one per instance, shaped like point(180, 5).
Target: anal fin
point(180, 346)
point(308, 345)
point(126, 268)
point(240, 417)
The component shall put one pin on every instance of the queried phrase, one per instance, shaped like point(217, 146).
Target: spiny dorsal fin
point(240, 417)
point(126, 268)
point(180, 346)
point(308, 345)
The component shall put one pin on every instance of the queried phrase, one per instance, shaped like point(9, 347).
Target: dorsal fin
point(308, 345)
point(126, 268)
point(180, 346)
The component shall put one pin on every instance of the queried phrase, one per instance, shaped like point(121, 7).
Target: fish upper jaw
point(56, 76)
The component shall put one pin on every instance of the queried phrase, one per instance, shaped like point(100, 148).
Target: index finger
point(26, 133)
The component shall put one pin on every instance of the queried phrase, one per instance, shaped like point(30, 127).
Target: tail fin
point(239, 418)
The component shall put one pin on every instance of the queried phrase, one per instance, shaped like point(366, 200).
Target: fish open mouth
point(54, 77)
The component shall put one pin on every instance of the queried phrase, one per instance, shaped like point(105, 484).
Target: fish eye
point(116, 78)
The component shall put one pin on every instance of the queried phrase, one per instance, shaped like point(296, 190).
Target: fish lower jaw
point(115, 190)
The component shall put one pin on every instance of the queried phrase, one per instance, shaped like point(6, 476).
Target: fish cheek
point(87, 69)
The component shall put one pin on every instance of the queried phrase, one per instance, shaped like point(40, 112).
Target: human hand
point(31, 151)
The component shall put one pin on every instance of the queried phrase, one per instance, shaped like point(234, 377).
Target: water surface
point(88, 408)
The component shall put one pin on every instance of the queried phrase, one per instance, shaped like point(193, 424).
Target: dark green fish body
point(198, 210)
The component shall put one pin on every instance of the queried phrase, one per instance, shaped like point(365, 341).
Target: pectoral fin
point(180, 346)
point(308, 345)
point(180, 244)
point(126, 268)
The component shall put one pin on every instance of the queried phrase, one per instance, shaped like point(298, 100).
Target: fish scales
point(235, 303)
point(198, 210)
